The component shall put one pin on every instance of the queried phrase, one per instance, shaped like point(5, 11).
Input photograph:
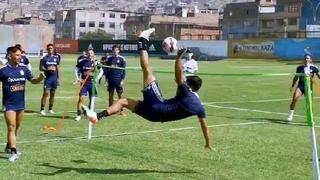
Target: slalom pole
point(93, 93)
point(314, 150)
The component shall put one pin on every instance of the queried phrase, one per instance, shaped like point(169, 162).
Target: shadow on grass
point(270, 120)
point(278, 121)
point(60, 117)
point(60, 170)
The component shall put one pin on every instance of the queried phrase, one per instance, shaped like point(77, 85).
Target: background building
point(272, 19)
point(71, 24)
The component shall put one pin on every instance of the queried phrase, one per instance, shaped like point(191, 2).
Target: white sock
point(291, 112)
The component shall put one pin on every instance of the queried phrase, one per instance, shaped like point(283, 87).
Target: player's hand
point(41, 76)
point(58, 82)
point(121, 83)
point(181, 51)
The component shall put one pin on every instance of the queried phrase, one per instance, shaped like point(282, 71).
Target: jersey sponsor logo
point(16, 79)
point(51, 63)
point(21, 73)
point(17, 87)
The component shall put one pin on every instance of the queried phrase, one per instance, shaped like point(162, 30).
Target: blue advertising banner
point(297, 48)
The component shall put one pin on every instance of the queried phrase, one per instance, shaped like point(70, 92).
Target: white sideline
point(134, 133)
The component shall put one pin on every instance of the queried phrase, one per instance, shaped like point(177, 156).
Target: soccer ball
point(169, 45)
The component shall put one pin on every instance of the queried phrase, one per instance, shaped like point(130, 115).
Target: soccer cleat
point(146, 33)
point(51, 111)
point(78, 118)
point(13, 157)
point(290, 118)
point(42, 113)
point(91, 115)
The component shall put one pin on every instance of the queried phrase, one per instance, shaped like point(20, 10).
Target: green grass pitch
point(246, 116)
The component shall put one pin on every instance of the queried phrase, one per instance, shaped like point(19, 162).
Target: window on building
point(121, 26)
point(122, 16)
point(280, 8)
point(111, 25)
point(103, 14)
point(82, 24)
point(101, 24)
point(92, 24)
point(267, 24)
point(112, 15)
point(292, 8)
point(292, 21)
point(280, 22)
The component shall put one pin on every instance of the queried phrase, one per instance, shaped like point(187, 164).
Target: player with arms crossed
point(13, 76)
point(49, 64)
point(306, 68)
point(153, 107)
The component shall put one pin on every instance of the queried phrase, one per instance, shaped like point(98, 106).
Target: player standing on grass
point(116, 76)
point(86, 69)
point(153, 107)
point(190, 66)
point(13, 76)
point(306, 68)
point(49, 64)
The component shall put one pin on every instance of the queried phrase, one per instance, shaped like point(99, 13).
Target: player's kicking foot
point(91, 115)
point(13, 157)
point(146, 33)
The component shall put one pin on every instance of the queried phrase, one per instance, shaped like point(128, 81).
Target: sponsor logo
point(21, 73)
point(266, 48)
point(16, 79)
point(17, 87)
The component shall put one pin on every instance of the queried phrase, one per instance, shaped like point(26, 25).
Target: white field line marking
point(252, 101)
point(253, 110)
point(135, 133)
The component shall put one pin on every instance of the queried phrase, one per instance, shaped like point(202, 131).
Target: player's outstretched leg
point(143, 36)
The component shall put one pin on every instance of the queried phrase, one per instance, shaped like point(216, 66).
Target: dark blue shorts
point(87, 90)
point(50, 83)
point(151, 97)
point(10, 107)
point(115, 84)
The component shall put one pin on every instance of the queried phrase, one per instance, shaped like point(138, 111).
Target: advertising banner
point(66, 45)
point(251, 48)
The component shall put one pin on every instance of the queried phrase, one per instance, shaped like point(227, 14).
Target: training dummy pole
point(308, 97)
point(93, 94)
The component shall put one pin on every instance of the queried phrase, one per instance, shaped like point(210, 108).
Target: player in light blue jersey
point(49, 64)
point(14, 76)
point(154, 107)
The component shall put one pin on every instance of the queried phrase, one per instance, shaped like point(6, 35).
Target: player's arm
point(123, 75)
point(206, 133)
point(294, 81)
point(178, 67)
point(100, 73)
point(41, 66)
point(37, 80)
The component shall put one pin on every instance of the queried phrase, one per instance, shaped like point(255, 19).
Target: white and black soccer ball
point(170, 45)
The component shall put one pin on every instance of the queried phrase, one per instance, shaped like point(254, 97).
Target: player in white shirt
point(190, 66)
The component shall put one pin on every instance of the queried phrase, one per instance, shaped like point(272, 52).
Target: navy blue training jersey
point(86, 67)
point(301, 69)
point(13, 86)
point(50, 60)
point(186, 103)
point(116, 61)
point(24, 60)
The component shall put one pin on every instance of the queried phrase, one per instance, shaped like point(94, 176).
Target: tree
point(97, 35)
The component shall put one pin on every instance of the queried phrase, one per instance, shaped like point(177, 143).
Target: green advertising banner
point(251, 48)
point(127, 46)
